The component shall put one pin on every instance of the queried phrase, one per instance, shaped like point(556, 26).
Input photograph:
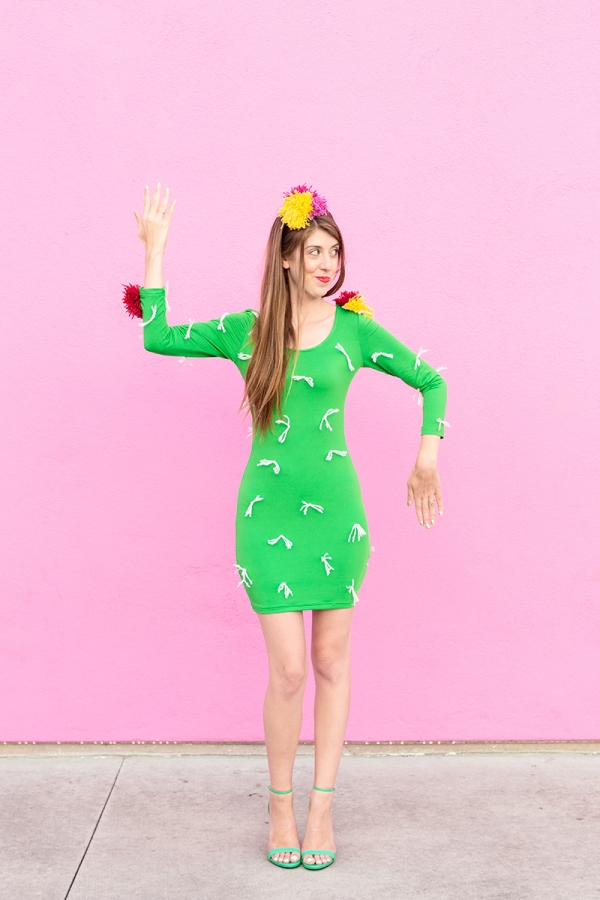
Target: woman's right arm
point(216, 337)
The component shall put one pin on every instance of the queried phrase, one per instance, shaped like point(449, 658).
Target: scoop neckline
point(320, 344)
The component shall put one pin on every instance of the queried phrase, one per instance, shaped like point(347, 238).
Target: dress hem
point(279, 609)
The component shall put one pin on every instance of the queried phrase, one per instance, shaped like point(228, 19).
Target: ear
point(285, 264)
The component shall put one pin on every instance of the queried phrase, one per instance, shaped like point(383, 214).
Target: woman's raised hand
point(153, 225)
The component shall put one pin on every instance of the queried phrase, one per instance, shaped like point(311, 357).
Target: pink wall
point(457, 145)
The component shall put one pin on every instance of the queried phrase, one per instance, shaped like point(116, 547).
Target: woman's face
point(320, 257)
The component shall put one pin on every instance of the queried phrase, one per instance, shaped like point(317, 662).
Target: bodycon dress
point(301, 533)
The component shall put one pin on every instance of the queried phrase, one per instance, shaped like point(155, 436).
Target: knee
point(330, 665)
point(288, 679)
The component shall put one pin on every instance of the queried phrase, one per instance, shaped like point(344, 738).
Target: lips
point(323, 280)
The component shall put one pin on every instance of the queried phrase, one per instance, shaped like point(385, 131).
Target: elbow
point(151, 345)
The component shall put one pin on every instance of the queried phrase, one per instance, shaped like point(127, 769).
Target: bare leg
point(330, 654)
point(282, 716)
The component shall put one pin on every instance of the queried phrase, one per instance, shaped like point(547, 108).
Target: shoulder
point(238, 322)
point(365, 325)
point(240, 316)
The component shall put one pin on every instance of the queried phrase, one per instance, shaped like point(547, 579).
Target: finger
point(163, 205)
point(425, 508)
point(410, 496)
point(170, 213)
point(419, 509)
point(140, 229)
point(146, 201)
point(426, 511)
point(156, 198)
point(440, 502)
point(431, 507)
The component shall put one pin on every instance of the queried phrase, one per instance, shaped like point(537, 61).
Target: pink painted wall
point(457, 145)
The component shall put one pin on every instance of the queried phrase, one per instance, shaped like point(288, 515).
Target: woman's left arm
point(381, 350)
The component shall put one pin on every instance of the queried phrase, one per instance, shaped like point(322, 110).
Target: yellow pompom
point(357, 304)
point(295, 210)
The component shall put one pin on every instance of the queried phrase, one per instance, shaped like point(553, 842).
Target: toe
point(294, 857)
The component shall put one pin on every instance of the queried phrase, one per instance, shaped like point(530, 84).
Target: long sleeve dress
point(302, 536)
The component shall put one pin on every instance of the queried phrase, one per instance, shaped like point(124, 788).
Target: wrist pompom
point(131, 299)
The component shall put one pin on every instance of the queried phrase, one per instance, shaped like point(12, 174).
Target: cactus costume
point(302, 537)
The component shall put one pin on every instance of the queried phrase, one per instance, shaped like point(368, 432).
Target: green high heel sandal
point(321, 852)
point(271, 853)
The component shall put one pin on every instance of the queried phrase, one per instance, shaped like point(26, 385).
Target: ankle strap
point(315, 788)
point(280, 792)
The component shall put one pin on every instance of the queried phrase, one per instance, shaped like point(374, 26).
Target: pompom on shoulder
point(355, 302)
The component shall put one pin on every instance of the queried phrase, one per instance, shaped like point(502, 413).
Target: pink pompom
point(319, 205)
point(131, 299)
point(345, 296)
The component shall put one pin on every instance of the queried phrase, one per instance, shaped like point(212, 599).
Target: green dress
point(302, 537)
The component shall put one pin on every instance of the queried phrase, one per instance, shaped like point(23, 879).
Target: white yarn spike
point(286, 590)
point(187, 334)
point(324, 559)
point(439, 368)
point(143, 324)
point(355, 597)
point(329, 412)
point(305, 507)
point(306, 378)
point(283, 538)
point(417, 360)
point(270, 462)
point(256, 499)
point(350, 366)
point(167, 307)
point(246, 580)
point(329, 456)
point(283, 434)
point(442, 422)
point(381, 353)
point(357, 531)
point(220, 326)
point(244, 355)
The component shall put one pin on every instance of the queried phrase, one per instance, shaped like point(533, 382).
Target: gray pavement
point(439, 827)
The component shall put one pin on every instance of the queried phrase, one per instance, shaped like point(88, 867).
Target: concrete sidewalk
point(442, 827)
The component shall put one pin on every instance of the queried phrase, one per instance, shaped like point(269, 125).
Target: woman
point(302, 537)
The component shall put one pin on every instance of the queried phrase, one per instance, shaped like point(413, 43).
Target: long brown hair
point(273, 329)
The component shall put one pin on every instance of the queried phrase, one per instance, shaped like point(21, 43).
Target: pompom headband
point(301, 204)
